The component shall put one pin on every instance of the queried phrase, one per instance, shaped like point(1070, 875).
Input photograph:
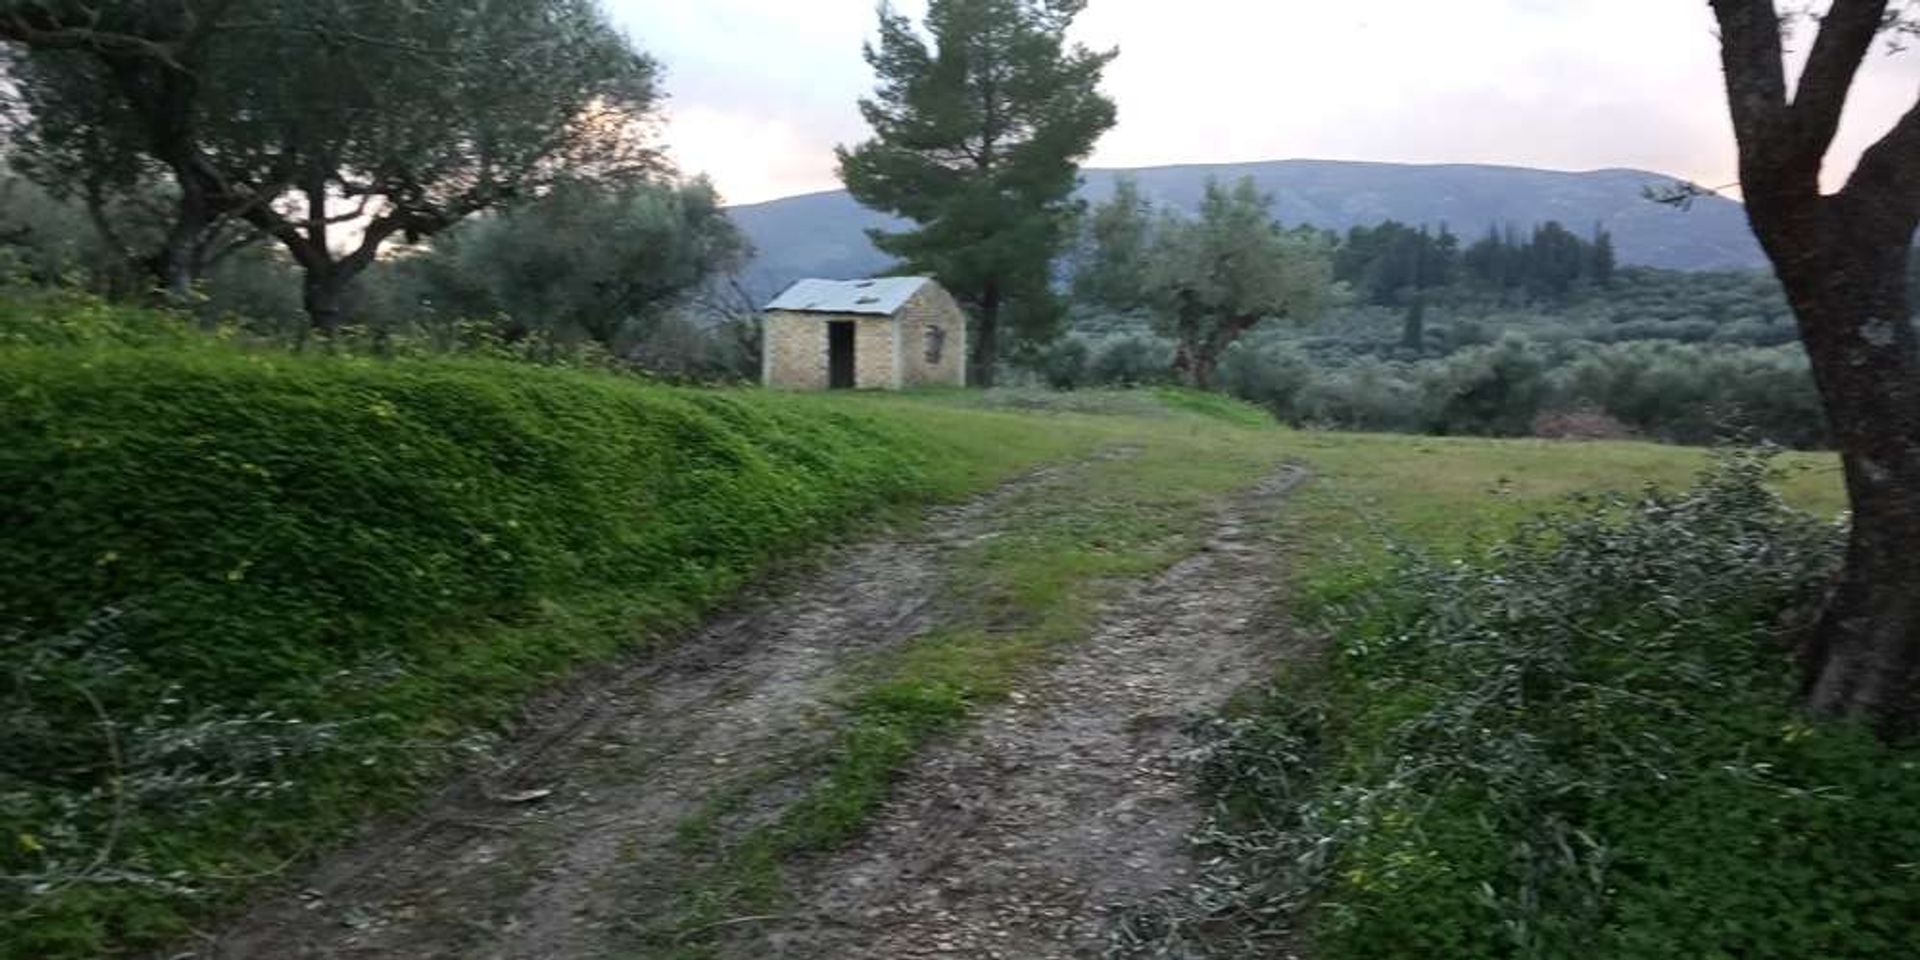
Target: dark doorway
point(840, 354)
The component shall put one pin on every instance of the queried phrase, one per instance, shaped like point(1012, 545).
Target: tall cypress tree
point(978, 131)
point(1601, 269)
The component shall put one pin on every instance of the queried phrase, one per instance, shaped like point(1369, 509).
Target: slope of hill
point(822, 234)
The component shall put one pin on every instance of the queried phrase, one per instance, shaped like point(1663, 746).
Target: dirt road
point(1019, 838)
point(1010, 840)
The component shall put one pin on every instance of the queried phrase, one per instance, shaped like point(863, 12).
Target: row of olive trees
point(330, 128)
point(621, 267)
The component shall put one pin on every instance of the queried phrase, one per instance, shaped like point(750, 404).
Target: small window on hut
point(936, 342)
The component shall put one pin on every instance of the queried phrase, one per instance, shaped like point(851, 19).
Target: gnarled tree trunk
point(322, 291)
point(1842, 259)
point(1850, 296)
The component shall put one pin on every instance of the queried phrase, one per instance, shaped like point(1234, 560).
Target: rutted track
point(1012, 839)
point(626, 759)
point(1017, 839)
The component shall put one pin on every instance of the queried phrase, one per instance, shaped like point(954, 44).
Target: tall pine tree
point(978, 131)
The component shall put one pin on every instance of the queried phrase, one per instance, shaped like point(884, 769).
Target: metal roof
point(881, 295)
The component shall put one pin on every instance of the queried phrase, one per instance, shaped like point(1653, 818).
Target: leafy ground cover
point(1547, 734)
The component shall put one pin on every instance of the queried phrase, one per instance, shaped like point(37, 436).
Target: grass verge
point(1573, 735)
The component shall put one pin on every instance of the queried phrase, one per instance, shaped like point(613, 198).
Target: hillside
point(822, 234)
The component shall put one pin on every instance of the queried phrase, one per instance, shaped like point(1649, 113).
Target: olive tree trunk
point(1842, 259)
point(1852, 307)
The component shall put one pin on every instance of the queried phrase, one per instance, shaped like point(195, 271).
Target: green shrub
point(1581, 743)
point(1063, 365)
point(1131, 361)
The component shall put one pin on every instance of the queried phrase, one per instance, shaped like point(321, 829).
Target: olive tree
point(101, 95)
point(335, 126)
point(586, 261)
point(1843, 259)
point(1212, 278)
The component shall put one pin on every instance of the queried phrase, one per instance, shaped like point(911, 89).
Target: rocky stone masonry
point(889, 352)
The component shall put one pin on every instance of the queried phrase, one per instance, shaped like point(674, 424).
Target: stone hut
point(887, 333)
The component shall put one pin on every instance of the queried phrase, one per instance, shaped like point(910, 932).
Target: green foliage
point(46, 239)
point(421, 113)
point(33, 316)
point(1129, 361)
point(588, 260)
point(1548, 266)
point(1677, 392)
point(1391, 263)
point(252, 596)
point(1206, 281)
point(1419, 337)
point(977, 137)
point(1064, 365)
point(1683, 357)
point(1112, 246)
point(1579, 742)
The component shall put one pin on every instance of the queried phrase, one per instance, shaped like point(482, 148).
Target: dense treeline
point(1392, 264)
point(1667, 355)
point(1517, 333)
point(1402, 328)
point(634, 272)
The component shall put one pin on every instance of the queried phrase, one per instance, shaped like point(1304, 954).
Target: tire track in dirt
point(626, 758)
point(1017, 839)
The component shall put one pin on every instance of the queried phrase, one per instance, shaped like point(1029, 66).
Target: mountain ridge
point(822, 233)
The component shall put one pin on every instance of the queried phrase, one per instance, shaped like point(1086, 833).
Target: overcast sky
point(761, 90)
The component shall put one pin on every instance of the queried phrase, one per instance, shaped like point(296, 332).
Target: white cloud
point(763, 89)
point(748, 157)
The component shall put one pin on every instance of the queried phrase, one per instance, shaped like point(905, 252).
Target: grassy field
point(253, 598)
point(1443, 491)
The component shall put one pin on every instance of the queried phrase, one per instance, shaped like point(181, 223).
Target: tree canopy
point(332, 127)
point(1205, 280)
point(586, 261)
point(978, 130)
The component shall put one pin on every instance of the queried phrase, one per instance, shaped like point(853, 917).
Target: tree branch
point(47, 32)
point(1756, 80)
point(1887, 178)
point(1846, 34)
